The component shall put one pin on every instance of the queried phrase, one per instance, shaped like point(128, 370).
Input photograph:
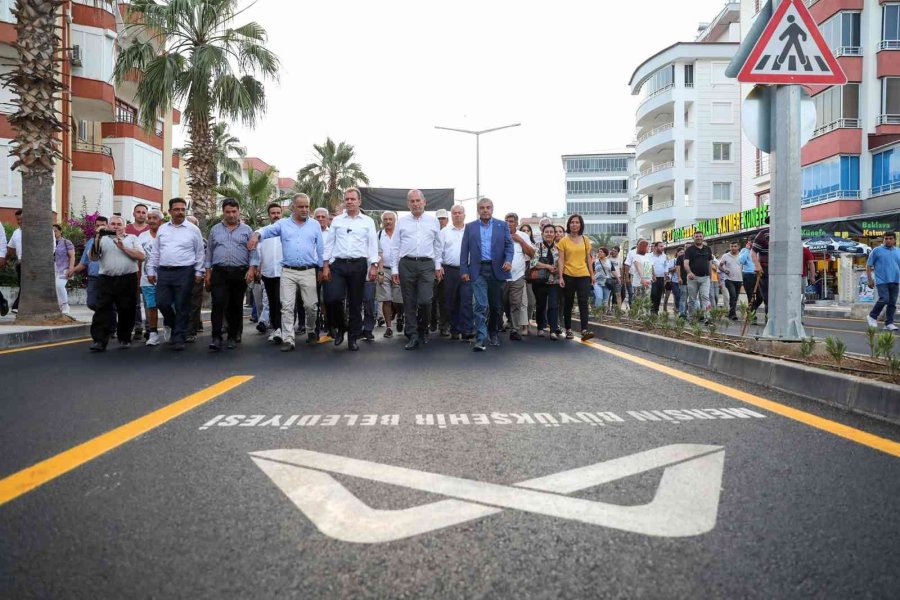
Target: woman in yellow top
point(577, 274)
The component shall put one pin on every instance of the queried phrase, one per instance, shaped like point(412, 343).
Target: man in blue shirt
point(884, 264)
point(748, 270)
point(302, 249)
point(91, 266)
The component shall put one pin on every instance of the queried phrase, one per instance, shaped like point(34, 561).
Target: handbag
point(537, 275)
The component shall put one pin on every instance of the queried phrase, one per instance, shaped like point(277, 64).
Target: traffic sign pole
point(784, 309)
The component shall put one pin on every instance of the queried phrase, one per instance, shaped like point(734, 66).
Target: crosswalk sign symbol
point(791, 50)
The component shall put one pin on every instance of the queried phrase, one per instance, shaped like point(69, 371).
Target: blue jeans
point(676, 294)
point(887, 296)
point(174, 286)
point(488, 293)
point(601, 295)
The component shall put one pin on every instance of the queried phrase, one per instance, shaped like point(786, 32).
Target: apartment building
point(851, 166)
point(688, 153)
point(598, 187)
point(110, 163)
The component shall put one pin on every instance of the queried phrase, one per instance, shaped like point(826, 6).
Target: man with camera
point(119, 254)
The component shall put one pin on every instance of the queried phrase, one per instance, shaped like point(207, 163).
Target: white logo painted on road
point(685, 504)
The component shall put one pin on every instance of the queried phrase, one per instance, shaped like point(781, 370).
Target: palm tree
point(315, 189)
point(334, 169)
point(36, 87)
point(259, 191)
point(227, 150)
point(196, 58)
point(600, 240)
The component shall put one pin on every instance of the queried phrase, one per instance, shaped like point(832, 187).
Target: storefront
point(721, 231)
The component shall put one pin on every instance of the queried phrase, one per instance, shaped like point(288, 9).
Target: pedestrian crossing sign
point(791, 50)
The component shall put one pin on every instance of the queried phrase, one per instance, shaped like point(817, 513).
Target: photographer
point(119, 254)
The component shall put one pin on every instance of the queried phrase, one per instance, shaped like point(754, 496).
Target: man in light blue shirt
point(884, 264)
point(748, 269)
point(302, 249)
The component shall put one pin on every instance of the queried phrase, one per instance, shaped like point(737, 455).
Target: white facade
point(136, 161)
point(599, 188)
point(96, 49)
point(688, 152)
point(93, 191)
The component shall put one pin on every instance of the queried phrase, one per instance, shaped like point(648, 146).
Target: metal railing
point(887, 188)
point(842, 194)
point(654, 131)
point(888, 120)
point(658, 206)
point(848, 51)
point(889, 45)
point(658, 92)
point(107, 5)
point(808, 3)
point(838, 124)
point(657, 168)
point(81, 146)
point(762, 166)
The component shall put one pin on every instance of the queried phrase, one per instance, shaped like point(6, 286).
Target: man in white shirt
point(174, 267)
point(457, 293)
point(148, 290)
point(388, 293)
point(4, 305)
point(660, 263)
point(119, 255)
point(14, 250)
point(351, 258)
point(416, 254)
point(514, 291)
point(270, 257)
point(439, 319)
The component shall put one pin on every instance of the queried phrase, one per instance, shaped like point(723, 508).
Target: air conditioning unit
point(76, 55)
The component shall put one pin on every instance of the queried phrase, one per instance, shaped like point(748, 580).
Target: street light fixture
point(477, 135)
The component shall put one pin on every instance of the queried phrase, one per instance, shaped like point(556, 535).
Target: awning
point(871, 225)
point(395, 198)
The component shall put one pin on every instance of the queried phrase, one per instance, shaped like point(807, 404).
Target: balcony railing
point(93, 148)
point(808, 3)
point(107, 5)
point(658, 92)
point(839, 124)
point(887, 188)
point(843, 194)
point(889, 45)
point(888, 120)
point(654, 131)
point(848, 51)
point(657, 168)
point(762, 166)
point(658, 206)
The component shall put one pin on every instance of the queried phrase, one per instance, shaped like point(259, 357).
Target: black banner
point(865, 227)
point(395, 198)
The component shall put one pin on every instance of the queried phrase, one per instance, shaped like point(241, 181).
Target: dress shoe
point(287, 347)
point(515, 336)
point(98, 347)
point(412, 344)
point(351, 343)
point(338, 338)
point(190, 339)
point(261, 327)
point(231, 344)
point(215, 344)
point(368, 336)
point(312, 338)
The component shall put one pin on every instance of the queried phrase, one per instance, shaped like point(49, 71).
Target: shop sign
point(865, 228)
point(726, 225)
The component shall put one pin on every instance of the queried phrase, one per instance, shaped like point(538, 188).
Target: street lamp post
point(477, 135)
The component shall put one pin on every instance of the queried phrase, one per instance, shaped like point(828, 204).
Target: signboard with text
point(729, 224)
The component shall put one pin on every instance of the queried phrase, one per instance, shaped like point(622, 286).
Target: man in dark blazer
point(486, 260)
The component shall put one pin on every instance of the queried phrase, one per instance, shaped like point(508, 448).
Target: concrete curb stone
point(9, 341)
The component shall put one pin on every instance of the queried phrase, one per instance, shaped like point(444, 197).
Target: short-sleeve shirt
point(113, 261)
point(520, 259)
point(679, 264)
point(761, 247)
point(886, 264)
point(61, 254)
point(699, 259)
point(146, 241)
point(576, 264)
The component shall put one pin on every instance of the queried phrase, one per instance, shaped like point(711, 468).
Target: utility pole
point(477, 135)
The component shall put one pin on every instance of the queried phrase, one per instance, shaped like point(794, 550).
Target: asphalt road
point(532, 471)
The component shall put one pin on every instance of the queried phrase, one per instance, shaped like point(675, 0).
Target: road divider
point(37, 475)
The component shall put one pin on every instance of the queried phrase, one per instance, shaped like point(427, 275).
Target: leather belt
point(417, 258)
point(303, 268)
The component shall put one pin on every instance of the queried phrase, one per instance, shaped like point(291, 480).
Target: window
point(82, 130)
point(890, 31)
point(717, 75)
point(619, 229)
point(841, 33)
point(722, 113)
point(836, 177)
point(596, 165)
point(722, 151)
point(836, 107)
point(597, 186)
point(125, 113)
point(762, 199)
point(661, 80)
point(886, 171)
point(721, 191)
point(890, 97)
point(615, 207)
point(689, 76)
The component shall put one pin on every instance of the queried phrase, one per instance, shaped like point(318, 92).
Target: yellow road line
point(28, 479)
point(850, 433)
point(40, 346)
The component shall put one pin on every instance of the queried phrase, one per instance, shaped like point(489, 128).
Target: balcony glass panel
point(836, 177)
point(886, 171)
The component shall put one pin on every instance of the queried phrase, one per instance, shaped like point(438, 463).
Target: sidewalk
point(16, 336)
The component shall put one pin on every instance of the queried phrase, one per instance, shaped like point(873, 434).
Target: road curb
point(21, 339)
point(855, 394)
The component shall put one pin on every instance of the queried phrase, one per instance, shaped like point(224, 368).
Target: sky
point(381, 75)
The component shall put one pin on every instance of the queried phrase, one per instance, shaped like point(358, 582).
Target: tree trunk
point(202, 169)
point(38, 300)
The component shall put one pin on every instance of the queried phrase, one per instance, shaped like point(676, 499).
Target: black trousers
point(15, 305)
point(458, 301)
point(417, 287)
point(762, 292)
point(734, 289)
point(657, 288)
point(582, 287)
point(439, 317)
point(348, 280)
point(115, 297)
point(174, 286)
point(546, 297)
point(228, 287)
point(273, 293)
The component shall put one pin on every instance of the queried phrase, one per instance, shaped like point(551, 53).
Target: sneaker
point(287, 347)
point(553, 335)
point(515, 336)
point(569, 334)
point(540, 333)
point(891, 327)
point(138, 333)
point(368, 336)
point(479, 347)
point(276, 336)
point(262, 327)
point(124, 345)
point(388, 333)
point(97, 347)
point(190, 339)
point(312, 338)
point(871, 322)
point(381, 321)
point(586, 335)
point(167, 334)
point(153, 340)
point(495, 340)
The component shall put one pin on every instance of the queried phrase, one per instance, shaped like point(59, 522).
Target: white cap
point(442, 214)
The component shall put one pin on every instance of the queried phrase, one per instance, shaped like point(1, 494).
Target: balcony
point(662, 212)
point(658, 206)
point(92, 157)
point(92, 99)
point(888, 45)
point(655, 175)
point(126, 126)
point(762, 166)
point(95, 13)
point(887, 59)
point(839, 124)
point(887, 124)
point(662, 134)
point(828, 196)
point(887, 188)
point(839, 137)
